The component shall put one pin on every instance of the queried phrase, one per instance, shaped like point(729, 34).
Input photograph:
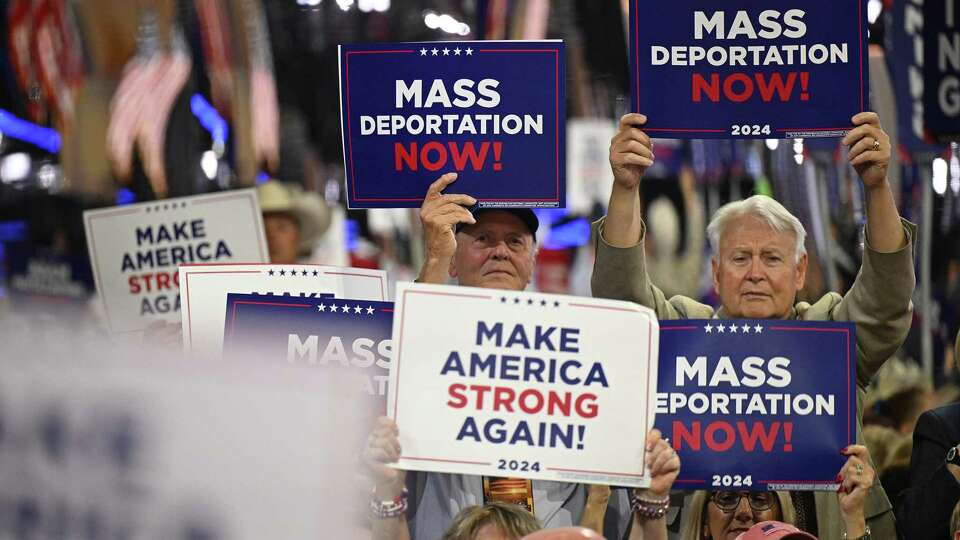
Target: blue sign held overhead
point(492, 111)
point(903, 48)
point(748, 68)
point(941, 69)
point(757, 404)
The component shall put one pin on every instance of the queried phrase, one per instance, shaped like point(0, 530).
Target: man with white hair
point(759, 263)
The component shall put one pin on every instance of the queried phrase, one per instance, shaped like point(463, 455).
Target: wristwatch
point(953, 456)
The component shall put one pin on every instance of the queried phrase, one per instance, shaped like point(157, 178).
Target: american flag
point(56, 53)
point(265, 117)
point(140, 76)
point(152, 125)
point(216, 37)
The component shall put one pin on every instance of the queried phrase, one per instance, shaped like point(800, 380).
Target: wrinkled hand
point(871, 164)
point(631, 152)
point(662, 462)
point(383, 447)
point(440, 214)
point(856, 476)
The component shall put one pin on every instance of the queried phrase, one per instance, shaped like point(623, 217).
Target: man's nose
point(755, 272)
point(500, 250)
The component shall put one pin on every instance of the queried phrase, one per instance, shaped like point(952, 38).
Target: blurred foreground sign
point(748, 68)
point(493, 111)
point(161, 448)
point(135, 250)
point(523, 385)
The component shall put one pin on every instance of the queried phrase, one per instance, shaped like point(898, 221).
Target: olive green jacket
point(878, 303)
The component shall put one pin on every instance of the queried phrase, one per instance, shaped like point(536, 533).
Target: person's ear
point(533, 263)
point(801, 275)
point(452, 270)
point(715, 270)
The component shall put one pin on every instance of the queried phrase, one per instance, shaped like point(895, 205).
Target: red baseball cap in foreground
point(775, 530)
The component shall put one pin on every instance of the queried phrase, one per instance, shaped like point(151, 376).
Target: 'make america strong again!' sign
point(523, 384)
point(135, 250)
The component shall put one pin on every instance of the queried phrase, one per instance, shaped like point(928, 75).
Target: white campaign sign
point(589, 178)
point(501, 383)
point(135, 250)
point(204, 290)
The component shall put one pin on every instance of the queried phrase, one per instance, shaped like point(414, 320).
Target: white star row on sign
point(446, 52)
point(733, 328)
point(345, 309)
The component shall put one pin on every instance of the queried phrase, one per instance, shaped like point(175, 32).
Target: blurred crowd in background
point(104, 102)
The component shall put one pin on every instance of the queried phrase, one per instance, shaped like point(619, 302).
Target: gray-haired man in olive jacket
point(760, 263)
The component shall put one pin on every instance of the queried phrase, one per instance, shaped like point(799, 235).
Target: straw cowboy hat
point(307, 207)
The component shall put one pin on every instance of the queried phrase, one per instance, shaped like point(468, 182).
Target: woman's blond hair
point(513, 521)
point(883, 442)
point(693, 524)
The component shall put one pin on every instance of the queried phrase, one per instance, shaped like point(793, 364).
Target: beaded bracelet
point(389, 509)
point(649, 508)
point(866, 535)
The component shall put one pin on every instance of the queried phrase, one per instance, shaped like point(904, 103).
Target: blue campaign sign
point(322, 332)
point(748, 68)
point(41, 274)
point(757, 404)
point(492, 111)
point(903, 52)
point(941, 69)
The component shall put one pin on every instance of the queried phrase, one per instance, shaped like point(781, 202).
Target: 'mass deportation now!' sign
point(757, 404)
point(321, 333)
point(135, 250)
point(748, 68)
point(493, 111)
point(526, 385)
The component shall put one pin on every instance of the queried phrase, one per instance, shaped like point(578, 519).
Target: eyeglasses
point(728, 501)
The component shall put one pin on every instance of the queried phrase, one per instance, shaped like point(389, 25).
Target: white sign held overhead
point(135, 250)
point(527, 385)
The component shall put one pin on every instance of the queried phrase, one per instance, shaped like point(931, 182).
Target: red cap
point(775, 530)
